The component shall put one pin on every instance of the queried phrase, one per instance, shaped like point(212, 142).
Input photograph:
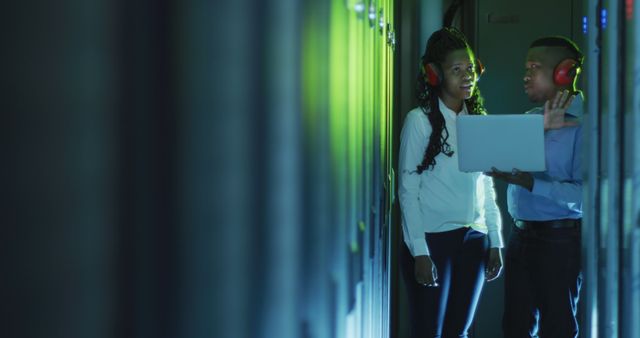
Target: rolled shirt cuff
point(541, 188)
point(419, 247)
point(495, 239)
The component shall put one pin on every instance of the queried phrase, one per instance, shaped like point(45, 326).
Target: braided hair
point(440, 44)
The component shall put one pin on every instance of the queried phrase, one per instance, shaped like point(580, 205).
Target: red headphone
point(565, 72)
point(433, 73)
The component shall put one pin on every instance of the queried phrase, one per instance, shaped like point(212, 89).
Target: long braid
point(439, 45)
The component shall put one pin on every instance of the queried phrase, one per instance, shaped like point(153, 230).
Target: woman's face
point(459, 74)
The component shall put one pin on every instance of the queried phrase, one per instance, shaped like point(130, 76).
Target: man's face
point(459, 75)
point(538, 76)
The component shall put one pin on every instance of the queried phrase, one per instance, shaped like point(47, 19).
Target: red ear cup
point(565, 72)
point(479, 69)
point(433, 74)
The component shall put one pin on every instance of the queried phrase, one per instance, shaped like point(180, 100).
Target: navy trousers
point(542, 283)
point(447, 310)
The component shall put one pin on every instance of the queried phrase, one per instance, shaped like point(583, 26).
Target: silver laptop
point(502, 141)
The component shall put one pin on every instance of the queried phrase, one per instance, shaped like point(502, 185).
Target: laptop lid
point(501, 141)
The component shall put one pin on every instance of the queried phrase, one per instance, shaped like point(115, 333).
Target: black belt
point(552, 224)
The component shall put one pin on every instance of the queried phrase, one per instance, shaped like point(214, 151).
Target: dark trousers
point(447, 310)
point(542, 283)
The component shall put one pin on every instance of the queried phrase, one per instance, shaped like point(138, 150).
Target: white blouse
point(444, 198)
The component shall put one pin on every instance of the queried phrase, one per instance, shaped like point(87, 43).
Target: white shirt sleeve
point(492, 214)
point(414, 139)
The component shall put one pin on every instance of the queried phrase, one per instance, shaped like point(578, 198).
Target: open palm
point(555, 110)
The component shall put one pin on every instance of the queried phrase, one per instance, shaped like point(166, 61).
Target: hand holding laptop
point(554, 118)
point(517, 177)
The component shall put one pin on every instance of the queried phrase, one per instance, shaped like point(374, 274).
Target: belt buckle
point(520, 224)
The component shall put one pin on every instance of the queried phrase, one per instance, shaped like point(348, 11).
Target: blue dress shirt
point(557, 192)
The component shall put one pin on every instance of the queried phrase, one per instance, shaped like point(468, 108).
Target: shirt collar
point(577, 106)
point(448, 112)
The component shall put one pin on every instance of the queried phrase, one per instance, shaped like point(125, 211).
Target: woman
point(450, 220)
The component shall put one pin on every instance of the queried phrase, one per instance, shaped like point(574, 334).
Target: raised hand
point(555, 109)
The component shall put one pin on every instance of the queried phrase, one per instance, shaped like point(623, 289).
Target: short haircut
point(560, 41)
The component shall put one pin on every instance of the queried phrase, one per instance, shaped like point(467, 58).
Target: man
point(542, 262)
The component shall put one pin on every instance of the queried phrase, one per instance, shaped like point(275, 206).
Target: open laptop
point(501, 141)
